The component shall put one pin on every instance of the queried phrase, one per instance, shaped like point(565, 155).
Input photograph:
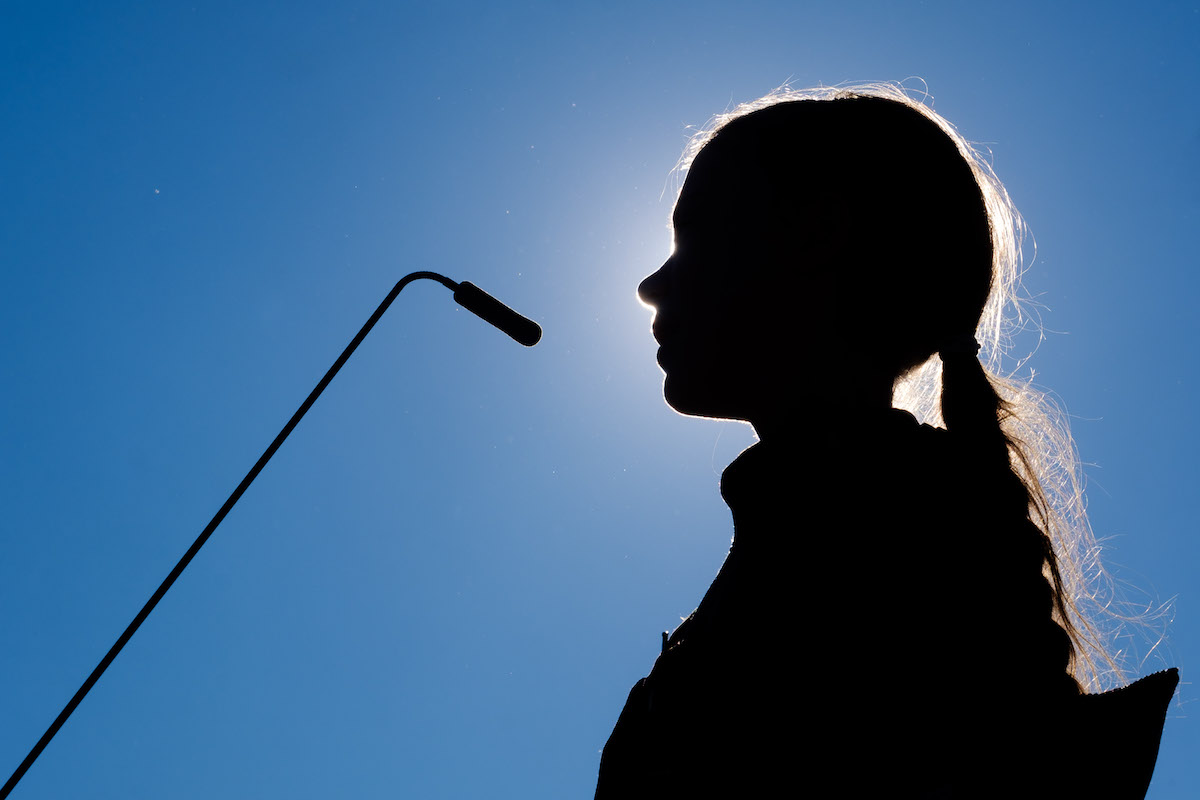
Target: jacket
point(857, 644)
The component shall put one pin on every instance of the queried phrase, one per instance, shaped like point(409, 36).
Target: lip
point(657, 331)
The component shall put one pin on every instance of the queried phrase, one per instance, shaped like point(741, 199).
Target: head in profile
point(843, 239)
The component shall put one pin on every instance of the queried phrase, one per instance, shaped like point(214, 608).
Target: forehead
point(721, 186)
point(708, 191)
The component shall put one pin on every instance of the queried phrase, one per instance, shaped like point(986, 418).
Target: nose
point(653, 288)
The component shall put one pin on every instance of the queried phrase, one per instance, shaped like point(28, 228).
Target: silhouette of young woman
point(897, 615)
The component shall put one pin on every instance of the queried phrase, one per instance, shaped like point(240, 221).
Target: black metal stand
point(490, 308)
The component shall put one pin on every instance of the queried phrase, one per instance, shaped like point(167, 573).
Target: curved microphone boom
point(469, 296)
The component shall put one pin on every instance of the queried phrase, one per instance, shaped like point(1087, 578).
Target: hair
point(930, 185)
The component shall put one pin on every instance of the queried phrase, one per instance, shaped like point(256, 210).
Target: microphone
point(469, 296)
point(489, 309)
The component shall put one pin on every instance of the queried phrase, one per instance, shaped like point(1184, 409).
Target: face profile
point(723, 311)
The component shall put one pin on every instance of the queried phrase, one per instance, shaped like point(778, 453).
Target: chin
point(698, 400)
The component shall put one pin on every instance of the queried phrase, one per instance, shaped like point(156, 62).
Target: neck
point(793, 418)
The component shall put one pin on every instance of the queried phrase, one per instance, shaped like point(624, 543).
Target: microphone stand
point(467, 295)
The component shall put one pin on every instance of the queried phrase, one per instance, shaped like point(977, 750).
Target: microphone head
point(489, 309)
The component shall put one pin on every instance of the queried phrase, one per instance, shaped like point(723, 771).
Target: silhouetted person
point(897, 614)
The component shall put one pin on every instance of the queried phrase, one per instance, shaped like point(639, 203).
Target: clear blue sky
point(446, 581)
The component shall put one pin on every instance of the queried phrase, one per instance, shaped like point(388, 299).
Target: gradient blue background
point(446, 581)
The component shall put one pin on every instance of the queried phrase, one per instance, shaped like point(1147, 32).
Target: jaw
point(701, 393)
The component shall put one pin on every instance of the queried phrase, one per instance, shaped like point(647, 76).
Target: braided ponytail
point(974, 413)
